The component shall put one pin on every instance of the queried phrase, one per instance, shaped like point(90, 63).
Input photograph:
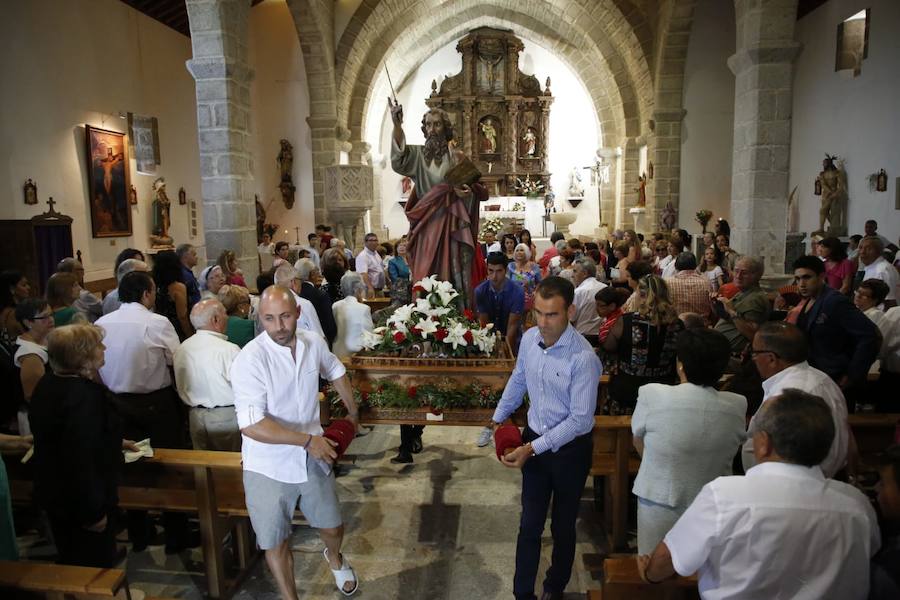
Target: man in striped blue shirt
point(560, 372)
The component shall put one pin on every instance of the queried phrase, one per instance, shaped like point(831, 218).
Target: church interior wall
point(279, 99)
point(343, 12)
point(69, 63)
point(855, 118)
point(708, 127)
point(574, 131)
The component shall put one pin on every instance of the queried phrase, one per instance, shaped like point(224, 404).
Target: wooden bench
point(58, 581)
point(621, 581)
point(613, 462)
point(209, 484)
point(874, 432)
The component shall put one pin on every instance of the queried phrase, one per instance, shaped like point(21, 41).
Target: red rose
point(416, 331)
point(399, 337)
point(440, 334)
point(469, 314)
point(364, 396)
point(468, 336)
point(417, 288)
point(411, 391)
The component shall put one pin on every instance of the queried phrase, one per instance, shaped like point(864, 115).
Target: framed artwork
point(30, 189)
point(108, 182)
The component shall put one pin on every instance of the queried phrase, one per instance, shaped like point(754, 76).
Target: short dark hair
point(685, 261)
point(800, 426)
point(612, 295)
point(856, 237)
point(134, 285)
point(786, 340)
point(556, 236)
point(704, 354)
point(8, 279)
point(873, 222)
point(29, 308)
point(813, 263)
point(557, 286)
point(265, 279)
point(638, 269)
point(879, 289)
point(125, 255)
point(497, 258)
point(368, 235)
point(836, 246)
point(280, 245)
point(311, 236)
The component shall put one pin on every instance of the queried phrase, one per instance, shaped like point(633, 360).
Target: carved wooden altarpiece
point(500, 115)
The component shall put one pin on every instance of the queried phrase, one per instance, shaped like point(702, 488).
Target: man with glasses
point(370, 266)
point(779, 351)
point(842, 341)
point(741, 315)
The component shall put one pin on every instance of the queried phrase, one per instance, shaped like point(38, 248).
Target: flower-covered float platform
point(431, 363)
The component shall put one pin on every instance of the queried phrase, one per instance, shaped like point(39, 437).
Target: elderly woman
point(351, 315)
point(236, 301)
point(525, 272)
point(228, 262)
point(644, 344)
point(31, 350)
point(62, 291)
point(687, 434)
point(211, 281)
point(78, 448)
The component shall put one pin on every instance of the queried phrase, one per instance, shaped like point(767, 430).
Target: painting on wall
point(107, 163)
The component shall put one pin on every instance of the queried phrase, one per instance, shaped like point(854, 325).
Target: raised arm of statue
point(397, 117)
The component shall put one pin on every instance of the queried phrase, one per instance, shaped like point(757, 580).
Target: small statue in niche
point(833, 184)
point(162, 219)
point(576, 189)
point(530, 139)
point(285, 167)
point(30, 189)
point(641, 189)
point(668, 217)
point(490, 136)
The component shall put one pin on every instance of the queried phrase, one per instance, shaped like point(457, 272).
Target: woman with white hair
point(351, 315)
point(525, 272)
point(211, 281)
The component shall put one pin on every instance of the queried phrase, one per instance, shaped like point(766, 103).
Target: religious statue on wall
point(668, 217)
point(576, 189)
point(831, 184)
point(641, 189)
point(162, 219)
point(285, 167)
point(530, 139)
point(489, 133)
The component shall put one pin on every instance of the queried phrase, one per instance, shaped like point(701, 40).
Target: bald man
point(276, 384)
point(202, 367)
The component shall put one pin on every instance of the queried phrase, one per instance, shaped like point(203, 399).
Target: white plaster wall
point(708, 126)
point(64, 63)
point(574, 131)
point(279, 99)
point(853, 117)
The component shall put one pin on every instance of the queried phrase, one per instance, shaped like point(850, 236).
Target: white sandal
point(343, 575)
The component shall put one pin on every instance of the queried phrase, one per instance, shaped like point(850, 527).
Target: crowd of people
point(719, 378)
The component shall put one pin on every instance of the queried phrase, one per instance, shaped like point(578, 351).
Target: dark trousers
point(408, 433)
point(157, 416)
point(560, 477)
point(82, 548)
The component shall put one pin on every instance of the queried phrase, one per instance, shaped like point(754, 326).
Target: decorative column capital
point(771, 53)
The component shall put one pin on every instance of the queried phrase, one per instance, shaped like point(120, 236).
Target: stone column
point(666, 159)
point(219, 67)
point(631, 159)
point(325, 151)
point(607, 190)
point(763, 69)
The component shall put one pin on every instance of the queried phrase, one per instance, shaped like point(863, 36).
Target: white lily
point(401, 315)
point(485, 339)
point(426, 326)
point(456, 335)
point(370, 339)
point(428, 284)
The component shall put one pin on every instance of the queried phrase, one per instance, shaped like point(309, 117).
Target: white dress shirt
point(667, 270)
point(89, 305)
point(268, 381)
point(308, 320)
point(782, 531)
point(587, 321)
point(369, 262)
point(890, 347)
point(664, 263)
point(111, 302)
point(812, 381)
point(203, 369)
point(352, 317)
point(140, 346)
point(885, 271)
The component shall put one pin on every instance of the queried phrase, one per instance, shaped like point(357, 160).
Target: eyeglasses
point(754, 353)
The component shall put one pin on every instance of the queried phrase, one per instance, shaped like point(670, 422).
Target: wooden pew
point(614, 460)
point(873, 432)
point(57, 581)
point(209, 484)
point(621, 581)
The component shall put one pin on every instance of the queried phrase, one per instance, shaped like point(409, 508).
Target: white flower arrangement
point(434, 318)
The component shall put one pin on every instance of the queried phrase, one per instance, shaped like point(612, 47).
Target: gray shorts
point(271, 503)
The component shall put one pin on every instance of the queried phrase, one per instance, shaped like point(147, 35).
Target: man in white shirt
point(876, 267)
point(276, 384)
point(140, 346)
point(111, 302)
point(584, 275)
point(287, 276)
point(779, 352)
point(312, 245)
point(351, 316)
point(781, 531)
point(370, 265)
point(203, 379)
